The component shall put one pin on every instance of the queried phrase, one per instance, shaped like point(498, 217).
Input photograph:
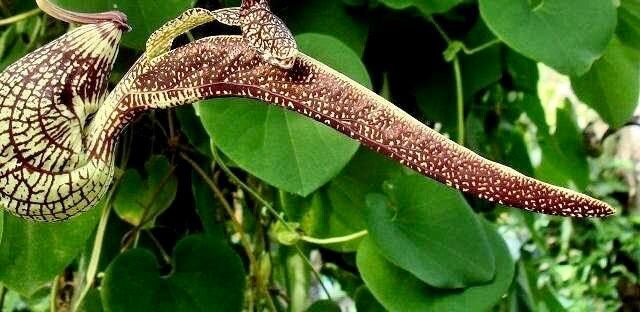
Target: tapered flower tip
point(115, 17)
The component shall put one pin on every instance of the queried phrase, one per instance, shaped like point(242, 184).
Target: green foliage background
point(163, 239)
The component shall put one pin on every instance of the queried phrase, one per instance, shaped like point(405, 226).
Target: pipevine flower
point(56, 161)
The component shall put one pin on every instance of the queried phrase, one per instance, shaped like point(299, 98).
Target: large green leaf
point(208, 207)
point(483, 68)
point(562, 34)
point(429, 230)
point(612, 85)
point(139, 200)
point(145, 16)
point(207, 273)
point(31, 254)
point(425, 6)
point(329, 17)
point(628, 29)
point(522, 70)
point(280, 147)
point(564, 160)
point(398, 290)
point(365, 301)
point(324, 306)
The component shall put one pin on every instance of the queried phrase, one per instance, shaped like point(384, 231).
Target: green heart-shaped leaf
point(398, 290)
point(612, 85)
point(562, 34)
point(207, 274)
point(284, 149)
point(139, 200)
point(32, 254)
point(208, 207)
point(429, 230)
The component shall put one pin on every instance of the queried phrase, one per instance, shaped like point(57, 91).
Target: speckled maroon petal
point(224, 66)
point(45, 100)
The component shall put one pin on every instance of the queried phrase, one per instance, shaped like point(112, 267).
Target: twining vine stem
point(481, 47)
point(459, 46)
point(334, 240)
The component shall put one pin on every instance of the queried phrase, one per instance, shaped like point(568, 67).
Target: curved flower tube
point(115, 17)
